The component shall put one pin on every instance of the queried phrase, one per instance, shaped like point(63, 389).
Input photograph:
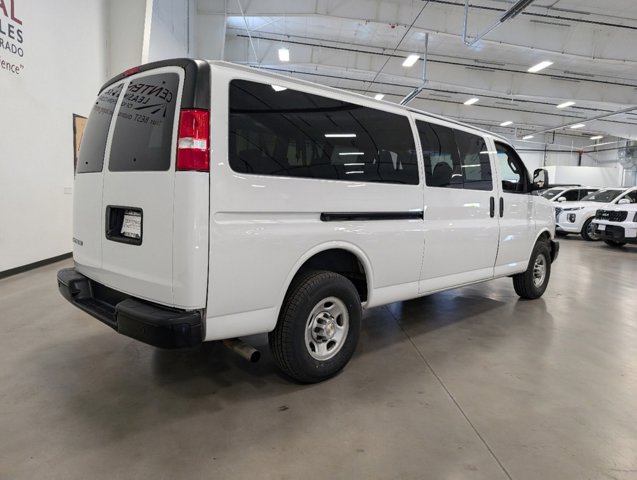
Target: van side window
point(143, 135)
point(475, 161)
point(285, 132)
point(454, 158)
point(93, 146)
point(512, 170)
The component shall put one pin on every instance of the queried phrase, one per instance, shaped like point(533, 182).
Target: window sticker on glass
point(132, 224)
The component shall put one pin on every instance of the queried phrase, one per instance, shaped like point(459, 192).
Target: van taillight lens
point(192, 142)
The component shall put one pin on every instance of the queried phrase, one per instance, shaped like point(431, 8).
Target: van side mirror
point(623, 201)
point(540, 179)
point(561, 199)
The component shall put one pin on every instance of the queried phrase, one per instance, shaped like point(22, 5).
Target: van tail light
point(193, 152)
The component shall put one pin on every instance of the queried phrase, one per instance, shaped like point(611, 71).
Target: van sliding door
point(461, 228)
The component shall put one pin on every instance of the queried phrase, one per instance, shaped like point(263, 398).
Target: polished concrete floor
point(466, 384)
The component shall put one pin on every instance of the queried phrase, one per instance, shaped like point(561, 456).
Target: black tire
point(614, 244)
point(527, 284)
point(302, 351)
point(588, 232)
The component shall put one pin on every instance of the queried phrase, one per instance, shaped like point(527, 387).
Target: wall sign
point(11, 38)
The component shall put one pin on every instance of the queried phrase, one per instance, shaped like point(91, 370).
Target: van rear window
point(93, 144)
point(142, 139)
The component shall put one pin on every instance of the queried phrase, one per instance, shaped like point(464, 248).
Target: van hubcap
point(326, 328)
point(539, 271)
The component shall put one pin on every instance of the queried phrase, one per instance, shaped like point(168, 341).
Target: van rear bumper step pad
point(149, 323)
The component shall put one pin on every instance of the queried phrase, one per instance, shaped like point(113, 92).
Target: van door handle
point(501, 207)
point(492, 207)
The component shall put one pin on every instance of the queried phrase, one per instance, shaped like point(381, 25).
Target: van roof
point(190, 63)
point(273, 75)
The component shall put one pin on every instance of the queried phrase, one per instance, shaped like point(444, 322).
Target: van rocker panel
point(149, 323)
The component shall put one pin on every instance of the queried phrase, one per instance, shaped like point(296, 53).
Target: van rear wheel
point(532, 283)
point(318, 327)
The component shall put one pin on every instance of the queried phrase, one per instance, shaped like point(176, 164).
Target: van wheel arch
point(341, 261)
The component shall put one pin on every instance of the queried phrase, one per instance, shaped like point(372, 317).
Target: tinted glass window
point(453, 158)
point(474, 161)
point(583, 193)
point(296, 134)
point(571, 195)
point(551, 193)
point(93, 144)
point(142, 139)
point(512, 170)
point(440, 154)
point(632, 196)
point(602, 196)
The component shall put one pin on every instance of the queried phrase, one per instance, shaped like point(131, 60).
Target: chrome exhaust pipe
point(242, 349)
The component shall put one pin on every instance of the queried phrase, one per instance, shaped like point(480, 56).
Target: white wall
point(64, 65)
point(593, 176)
point(563, 151)
point(125, 31)
point(171, 29)
point(210, 30)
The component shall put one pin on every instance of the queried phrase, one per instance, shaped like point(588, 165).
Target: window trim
point(518, 159)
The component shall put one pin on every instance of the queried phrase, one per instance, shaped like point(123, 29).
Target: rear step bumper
point(152, 324)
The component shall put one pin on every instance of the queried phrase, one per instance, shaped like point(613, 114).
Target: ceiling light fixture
point(506, 124)
point(340, 135)
point(566, 104)
point(597, 137)
point(579, 125)
point(278, 88)
point(411, 60)
point(528, 137)
point(540, 66)
point(471, 101)
point(284, 54)
point(379, 96)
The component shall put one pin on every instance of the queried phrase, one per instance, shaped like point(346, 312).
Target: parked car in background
point(578, 217)
point(568, 193)
point(617, 224)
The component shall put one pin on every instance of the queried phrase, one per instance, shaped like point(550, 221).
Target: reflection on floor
point(466, 384)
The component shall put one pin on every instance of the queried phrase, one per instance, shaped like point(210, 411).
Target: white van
point(214, 201)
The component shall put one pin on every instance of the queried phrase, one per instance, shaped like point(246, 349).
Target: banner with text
point(11, 38)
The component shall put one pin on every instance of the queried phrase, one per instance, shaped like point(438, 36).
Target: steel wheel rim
point(326, 328)
point(539, 270)
point(591, 231)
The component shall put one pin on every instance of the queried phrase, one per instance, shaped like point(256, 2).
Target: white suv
point(214, 201)
point(617, 224)
point(578, 217)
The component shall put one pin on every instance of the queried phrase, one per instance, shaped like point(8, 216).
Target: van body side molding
point(362, 216)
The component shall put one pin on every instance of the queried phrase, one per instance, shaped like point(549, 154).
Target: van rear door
point(137, 201)
point(152, 218)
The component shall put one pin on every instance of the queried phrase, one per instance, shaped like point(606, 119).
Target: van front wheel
point(532, 283)
point(318, 327)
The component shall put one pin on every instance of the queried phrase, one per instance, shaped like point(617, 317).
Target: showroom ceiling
point(360, 45)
